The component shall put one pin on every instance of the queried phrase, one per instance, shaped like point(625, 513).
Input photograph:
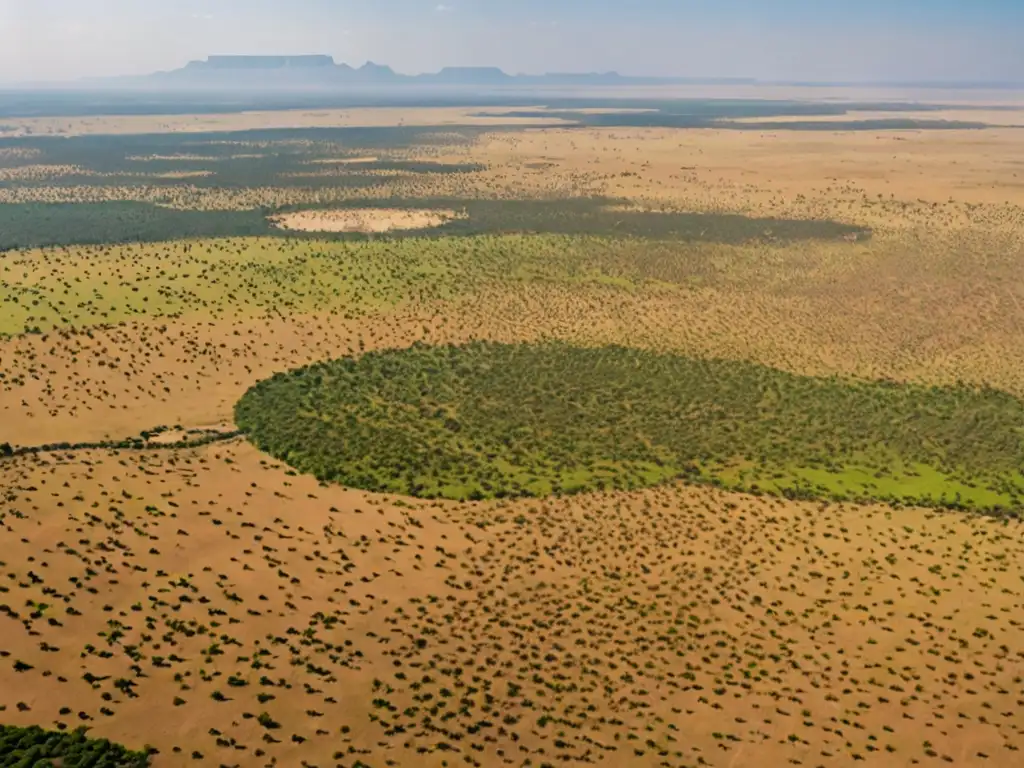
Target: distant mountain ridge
point(321, 71)
point(261, 62)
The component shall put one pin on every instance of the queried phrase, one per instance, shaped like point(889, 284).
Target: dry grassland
point(182, 596)
point(346, 160)
point(1009, 115)
point(116, 382)
point(217, 606)
point(925, 179)
point(901, 179)
point(261, 120)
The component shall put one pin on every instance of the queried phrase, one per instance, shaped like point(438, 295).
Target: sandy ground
point(875, 309)
point(173, 597)
point(345, 160)
point(244, 121)
point(615, 629)
point(866, 176)
point(390, 116)
point(362, 220)
point(907, 178)
point(1010, 115)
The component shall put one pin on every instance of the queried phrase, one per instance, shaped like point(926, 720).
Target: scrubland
point(808, 336)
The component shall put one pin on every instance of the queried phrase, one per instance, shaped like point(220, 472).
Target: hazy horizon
point(785, 40)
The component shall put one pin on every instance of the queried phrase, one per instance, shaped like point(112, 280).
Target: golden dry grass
point(905, 179)
point(1009, 115)
point(891, 178)
point(244, 121)
point(677, 626)
point(936, 310)
point(345, 160)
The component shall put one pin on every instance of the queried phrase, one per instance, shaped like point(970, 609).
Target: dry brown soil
point(675, 626)
point(171, 597)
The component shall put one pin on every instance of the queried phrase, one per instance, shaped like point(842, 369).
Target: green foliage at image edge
point(34, 747)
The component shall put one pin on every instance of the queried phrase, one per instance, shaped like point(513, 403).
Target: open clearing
point(362, 220)
point(215, 603)
point(346, 160)
point(1005, 116)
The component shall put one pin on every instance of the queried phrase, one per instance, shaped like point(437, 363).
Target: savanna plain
point(666, 432)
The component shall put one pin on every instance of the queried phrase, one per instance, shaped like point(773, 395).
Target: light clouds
point(770, 39)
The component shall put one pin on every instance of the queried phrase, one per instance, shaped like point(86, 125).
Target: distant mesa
point(587, 77)
point(322, 71)
point(262, 62)
point(469, 75)
point(369, 68)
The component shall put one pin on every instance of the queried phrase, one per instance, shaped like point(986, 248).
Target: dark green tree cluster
point(603, 216)
point(34, 747)
point(52, 224)
point(492, 420)
point(29, 225)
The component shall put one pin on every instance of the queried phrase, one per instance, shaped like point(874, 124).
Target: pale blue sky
point(768, 39)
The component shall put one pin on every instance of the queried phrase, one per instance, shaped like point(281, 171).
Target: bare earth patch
point(190, 158)
point(182, 434)
point(345, 160)
point(183, 174)
point(363, 220)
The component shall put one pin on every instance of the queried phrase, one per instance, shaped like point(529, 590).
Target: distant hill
point(319, 71)
point(261, 62)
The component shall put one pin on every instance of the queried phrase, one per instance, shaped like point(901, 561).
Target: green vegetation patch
point(87, 286)
point(36, 748)
point(270, 151)
point(600, 216)
point(30, 225)
point(494, 420)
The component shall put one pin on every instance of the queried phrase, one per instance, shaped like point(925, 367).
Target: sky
point(805, 40)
